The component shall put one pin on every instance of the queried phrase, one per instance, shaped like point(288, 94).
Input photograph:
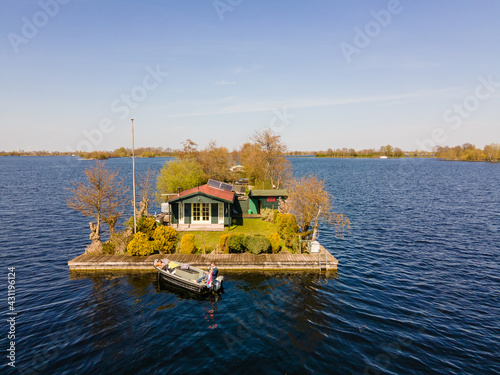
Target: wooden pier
point(282, 261)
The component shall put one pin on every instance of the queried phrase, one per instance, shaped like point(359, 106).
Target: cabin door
point(201, 212)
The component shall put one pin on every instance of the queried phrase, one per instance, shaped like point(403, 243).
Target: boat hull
point(200, 288)
point(189, 284)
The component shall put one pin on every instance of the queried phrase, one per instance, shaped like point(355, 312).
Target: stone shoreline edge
point(275, 262)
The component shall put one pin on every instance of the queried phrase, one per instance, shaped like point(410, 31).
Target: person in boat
point(163, 264)
point(213, 269)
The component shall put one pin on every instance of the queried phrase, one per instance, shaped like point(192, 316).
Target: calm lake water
point(417, 290)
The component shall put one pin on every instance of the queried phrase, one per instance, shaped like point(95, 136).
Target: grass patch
point(249, 227)
point(253, 226)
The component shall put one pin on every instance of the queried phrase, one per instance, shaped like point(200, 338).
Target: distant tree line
point(263, 156)
point(34, 153)
point(465, 152)
point(122, 152)
point(469, 152)
point(389, 151)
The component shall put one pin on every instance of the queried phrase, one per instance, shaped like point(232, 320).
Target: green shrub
point(147, 225)
point(223, 247)
point(274, 239)
point(187, 244)
point(288, 228)
point(108, 248)
point(165, 238)
point(267, 214)
point(140, 245)
point(258, 244)
point(144, 224)
point(277, 219)
point(237, 243)
point(275, 215)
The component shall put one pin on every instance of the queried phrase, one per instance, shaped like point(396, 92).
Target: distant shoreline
point(465, 152)
point(311, 156)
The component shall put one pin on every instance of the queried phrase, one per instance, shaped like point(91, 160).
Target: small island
point(255, 215)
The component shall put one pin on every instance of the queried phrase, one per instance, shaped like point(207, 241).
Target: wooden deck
point(282, 261)
point(198, 227)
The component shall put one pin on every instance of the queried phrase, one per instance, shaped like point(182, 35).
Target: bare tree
point(250, 156)
point(189, 149)
point(311, 203)
point(101, 197)
point(146, 186)
point(215, 162)
point(264, 159)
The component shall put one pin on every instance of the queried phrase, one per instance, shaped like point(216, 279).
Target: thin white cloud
point(242, 70)
point(312, 103)
point(224, 83)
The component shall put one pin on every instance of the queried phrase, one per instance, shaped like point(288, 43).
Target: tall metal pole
point(133, 175)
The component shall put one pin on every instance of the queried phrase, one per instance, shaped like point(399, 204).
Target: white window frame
point(181, 213)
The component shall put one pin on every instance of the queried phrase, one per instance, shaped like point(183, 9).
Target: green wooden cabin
point(201, 208)
point(260, 199)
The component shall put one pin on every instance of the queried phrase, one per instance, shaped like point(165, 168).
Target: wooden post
point(319, 259)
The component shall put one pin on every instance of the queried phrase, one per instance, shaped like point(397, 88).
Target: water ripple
point(417, 290)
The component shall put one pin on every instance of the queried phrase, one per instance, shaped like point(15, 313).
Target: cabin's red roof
point(207, 190)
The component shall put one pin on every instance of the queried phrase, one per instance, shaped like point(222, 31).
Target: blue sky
point(322, 74)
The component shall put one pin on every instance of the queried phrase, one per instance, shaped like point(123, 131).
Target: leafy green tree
point(183, 173)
